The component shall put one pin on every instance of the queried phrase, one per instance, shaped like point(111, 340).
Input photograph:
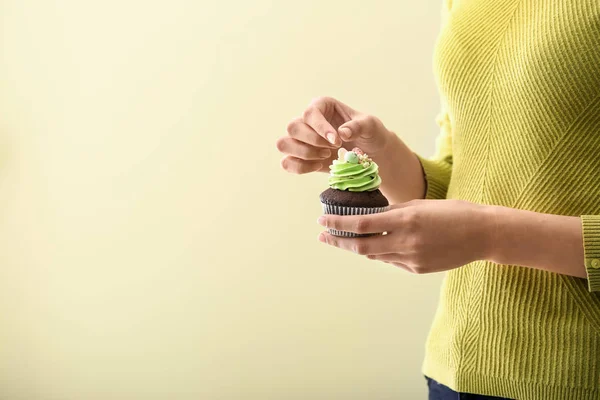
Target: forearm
point(400, 171)
point(549, 242)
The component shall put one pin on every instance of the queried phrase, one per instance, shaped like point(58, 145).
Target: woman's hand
point(423, 236)
point(325, 126)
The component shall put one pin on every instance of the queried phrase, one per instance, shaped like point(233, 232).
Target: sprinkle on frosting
point(351, 157)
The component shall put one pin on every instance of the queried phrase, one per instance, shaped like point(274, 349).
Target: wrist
point(488, 231)
point(389, 143)
point(400, 171)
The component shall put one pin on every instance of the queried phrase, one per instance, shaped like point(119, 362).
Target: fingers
point(315, 118)
point(388, 257)
point(305, 150)
point(298, 130)
point(402, 266)
point(378, 248)
point(365, 127)
point(364, 246)
point(298, 166)
point(298, 149)
point(392, 259)
point(371, 223)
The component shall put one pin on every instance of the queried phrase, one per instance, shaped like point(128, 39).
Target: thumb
point(364, 127)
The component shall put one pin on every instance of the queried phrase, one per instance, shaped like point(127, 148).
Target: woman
point(511, 203)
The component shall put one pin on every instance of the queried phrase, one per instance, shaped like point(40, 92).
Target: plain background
point(150, 245)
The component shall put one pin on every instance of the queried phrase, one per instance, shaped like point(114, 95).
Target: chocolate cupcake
point(353, 188)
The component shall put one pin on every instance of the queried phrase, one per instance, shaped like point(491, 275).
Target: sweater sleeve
point(438, 169)
point(591, 247)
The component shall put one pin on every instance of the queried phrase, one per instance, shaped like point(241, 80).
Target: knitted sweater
point(520, 127)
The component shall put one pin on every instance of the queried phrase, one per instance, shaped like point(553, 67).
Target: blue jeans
point(437, 391)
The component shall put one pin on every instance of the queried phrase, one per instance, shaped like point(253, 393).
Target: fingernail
point(321, 220)
point(332, 137)
point(345, 133)
point(322, 238)
point(325, 153)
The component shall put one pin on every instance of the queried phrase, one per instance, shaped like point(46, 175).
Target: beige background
point(150, 246)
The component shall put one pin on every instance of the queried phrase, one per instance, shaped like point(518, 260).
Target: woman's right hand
point(326, 125)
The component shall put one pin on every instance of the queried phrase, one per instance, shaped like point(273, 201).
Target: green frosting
point(354, 177)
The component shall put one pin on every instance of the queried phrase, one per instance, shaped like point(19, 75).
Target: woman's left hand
point(423, 236)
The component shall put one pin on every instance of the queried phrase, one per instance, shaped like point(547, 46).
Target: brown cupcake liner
point(341, 210)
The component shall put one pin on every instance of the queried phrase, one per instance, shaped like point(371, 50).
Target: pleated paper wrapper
point(341, 210)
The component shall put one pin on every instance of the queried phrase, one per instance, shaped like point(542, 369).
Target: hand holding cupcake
point(353, 188)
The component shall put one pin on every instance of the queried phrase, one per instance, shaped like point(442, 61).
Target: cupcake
point(353, 188)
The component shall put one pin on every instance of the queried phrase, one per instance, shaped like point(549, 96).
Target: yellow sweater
point(520, 127)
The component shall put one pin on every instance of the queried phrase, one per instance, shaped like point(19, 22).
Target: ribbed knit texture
point(591, 244)
point(520, 127)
